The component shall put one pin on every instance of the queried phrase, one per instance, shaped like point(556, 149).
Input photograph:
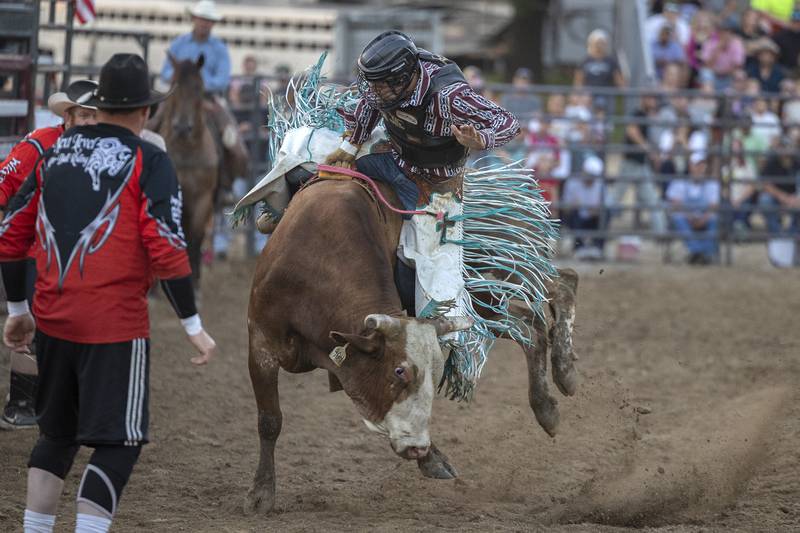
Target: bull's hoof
point(259, 501)
point(546, 413)
point(436, 465)
point(565, 377)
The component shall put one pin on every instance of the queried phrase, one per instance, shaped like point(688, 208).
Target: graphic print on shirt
point(10, 167)
point(72, 232)
point(175, 236)
point(108, 154)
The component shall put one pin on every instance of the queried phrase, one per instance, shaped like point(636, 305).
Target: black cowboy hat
point(124, 84)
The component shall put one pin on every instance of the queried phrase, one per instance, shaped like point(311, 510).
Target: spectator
point(754, 144)
point(726, 10)
point(580, 133)
point(743, 172)
point(582, 204)
point(556, 107)
point(766, 70)
point(671, 134)
point(780, 174)
point(544, 156)
point(671, 15)
point(702, 29)
point(674, 76)
point(765, 123)
point(521, 101)
point(599, 68)
point(788, 40)
point(790, 112)
point(738, 102)
point(750, 31)
point(703, 107)
point(281, 92)
point(723, 53)
point(693, 204)
point(474, 78)
point(242, 92)
point(636, 164)
point(666, 49)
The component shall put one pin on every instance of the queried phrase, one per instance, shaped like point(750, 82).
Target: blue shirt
point(672, 52)
point(216, 70)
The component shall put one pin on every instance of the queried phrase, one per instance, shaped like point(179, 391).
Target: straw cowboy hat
point(77, 94)
point(765, 43)
point(205, 9)
point(124, 84)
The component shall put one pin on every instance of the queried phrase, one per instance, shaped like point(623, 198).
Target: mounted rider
point(216, 73)
point(433, 119)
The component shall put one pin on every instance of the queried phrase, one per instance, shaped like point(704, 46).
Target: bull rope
point(508, 238)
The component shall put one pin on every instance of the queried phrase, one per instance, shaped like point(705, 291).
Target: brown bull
point(325, 279)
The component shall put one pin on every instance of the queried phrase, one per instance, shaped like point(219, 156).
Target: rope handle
point(358, 175)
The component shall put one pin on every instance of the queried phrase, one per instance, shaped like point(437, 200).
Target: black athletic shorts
point(93, 394)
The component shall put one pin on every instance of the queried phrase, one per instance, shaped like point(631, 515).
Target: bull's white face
point(392, 375)
point(406, 422)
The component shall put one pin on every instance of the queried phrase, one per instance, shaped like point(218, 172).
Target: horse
point(183, 123)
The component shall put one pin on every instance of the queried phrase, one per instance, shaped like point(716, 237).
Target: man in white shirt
point(693, 203)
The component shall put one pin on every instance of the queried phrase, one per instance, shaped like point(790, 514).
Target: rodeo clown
point(19, 411)
point(433, 119)
point(103, 208)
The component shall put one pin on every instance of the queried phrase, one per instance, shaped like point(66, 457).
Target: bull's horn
point(445, 325)
point(388, 325)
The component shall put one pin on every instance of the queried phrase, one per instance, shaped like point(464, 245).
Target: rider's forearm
point(362, 122)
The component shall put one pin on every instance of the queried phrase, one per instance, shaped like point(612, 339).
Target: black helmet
point(392, 58)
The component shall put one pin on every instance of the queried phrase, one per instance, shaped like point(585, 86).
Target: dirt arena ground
point(687, 419)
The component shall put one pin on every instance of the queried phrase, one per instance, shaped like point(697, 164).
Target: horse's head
point(185, 105)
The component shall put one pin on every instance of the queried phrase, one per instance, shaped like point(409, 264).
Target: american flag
point(84, 10)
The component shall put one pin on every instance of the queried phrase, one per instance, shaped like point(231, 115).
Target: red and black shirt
point(104, 208)
point(23, 157)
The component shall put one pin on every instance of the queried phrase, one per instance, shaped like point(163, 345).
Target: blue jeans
point(697, 241)
point(382, 167)
point(773, 218)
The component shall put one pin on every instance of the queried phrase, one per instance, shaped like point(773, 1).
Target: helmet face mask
point(387, 93)
point(386, 69)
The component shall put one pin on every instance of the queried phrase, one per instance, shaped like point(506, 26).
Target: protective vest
point(406, 126)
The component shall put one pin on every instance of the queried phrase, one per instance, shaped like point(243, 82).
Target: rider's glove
point(344, 156)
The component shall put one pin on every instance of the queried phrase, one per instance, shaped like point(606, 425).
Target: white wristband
point(17, 308)
point(348, 147)
point(192, 325)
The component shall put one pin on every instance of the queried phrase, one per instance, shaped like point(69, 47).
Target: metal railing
point(607, 146)
point(606, 130)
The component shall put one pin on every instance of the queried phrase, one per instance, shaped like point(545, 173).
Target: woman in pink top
point(723, 53)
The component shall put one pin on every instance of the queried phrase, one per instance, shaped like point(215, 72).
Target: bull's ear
point(370, 344)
